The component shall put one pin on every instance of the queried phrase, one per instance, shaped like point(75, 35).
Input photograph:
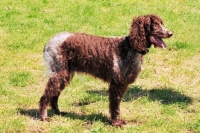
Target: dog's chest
point(133, 70)
point(127, 69)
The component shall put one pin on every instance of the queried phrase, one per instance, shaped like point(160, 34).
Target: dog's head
point(147, 30)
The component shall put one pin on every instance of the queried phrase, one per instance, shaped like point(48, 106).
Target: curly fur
point(138, 34)
point(114, 60)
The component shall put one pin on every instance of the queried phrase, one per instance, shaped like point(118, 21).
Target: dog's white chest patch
point(116, 62)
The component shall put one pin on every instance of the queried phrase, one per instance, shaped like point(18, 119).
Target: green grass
point(165, 97)
point(20, 79)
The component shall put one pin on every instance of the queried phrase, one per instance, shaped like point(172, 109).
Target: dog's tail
point(52, 53)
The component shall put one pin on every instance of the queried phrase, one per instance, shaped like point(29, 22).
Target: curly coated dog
point(114, 60)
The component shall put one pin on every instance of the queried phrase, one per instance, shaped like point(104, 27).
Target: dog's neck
point(125, 46)
point(142, 53)
point(126, 38)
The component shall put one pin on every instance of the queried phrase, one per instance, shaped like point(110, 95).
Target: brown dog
point(115, 60)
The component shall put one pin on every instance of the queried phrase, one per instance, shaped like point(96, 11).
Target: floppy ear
point(137, 36)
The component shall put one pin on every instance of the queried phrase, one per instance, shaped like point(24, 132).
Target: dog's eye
point(155, 25)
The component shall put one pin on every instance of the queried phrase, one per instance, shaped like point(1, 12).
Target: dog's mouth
point(158, 42)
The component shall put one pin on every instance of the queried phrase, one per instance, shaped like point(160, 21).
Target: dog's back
point(81, 53)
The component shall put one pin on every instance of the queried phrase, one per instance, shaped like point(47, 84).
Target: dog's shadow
point(163, 95)
point(34, 114)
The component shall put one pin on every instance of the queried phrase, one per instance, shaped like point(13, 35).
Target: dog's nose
point(170, 33)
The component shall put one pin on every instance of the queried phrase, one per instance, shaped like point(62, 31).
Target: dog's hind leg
point(54, 104)
point(55, 85)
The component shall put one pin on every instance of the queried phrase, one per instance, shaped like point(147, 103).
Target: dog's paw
point(45, 119)
point(118, 122)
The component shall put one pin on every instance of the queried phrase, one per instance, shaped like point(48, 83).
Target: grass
point(164, 98)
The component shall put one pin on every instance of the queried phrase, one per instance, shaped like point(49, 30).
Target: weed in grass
point(60, 129)
point(182, 45)
point(168, 110)
point(20, 79)
point(12, 125)
point(97, 130)
point(195, 127)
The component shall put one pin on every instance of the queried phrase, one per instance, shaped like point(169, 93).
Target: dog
point(114, 60)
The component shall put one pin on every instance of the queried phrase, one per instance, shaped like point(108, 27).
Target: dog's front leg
point(116, 92)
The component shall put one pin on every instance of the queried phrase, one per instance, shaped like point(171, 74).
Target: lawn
point(165, 97)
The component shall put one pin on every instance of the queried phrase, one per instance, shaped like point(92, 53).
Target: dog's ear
point(155, 19)
point(137, 35)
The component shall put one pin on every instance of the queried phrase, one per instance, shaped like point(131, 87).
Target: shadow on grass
point(164, 95)
point(98, 92)
point(33, 113)
point(92, 97)
point(91, 117)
